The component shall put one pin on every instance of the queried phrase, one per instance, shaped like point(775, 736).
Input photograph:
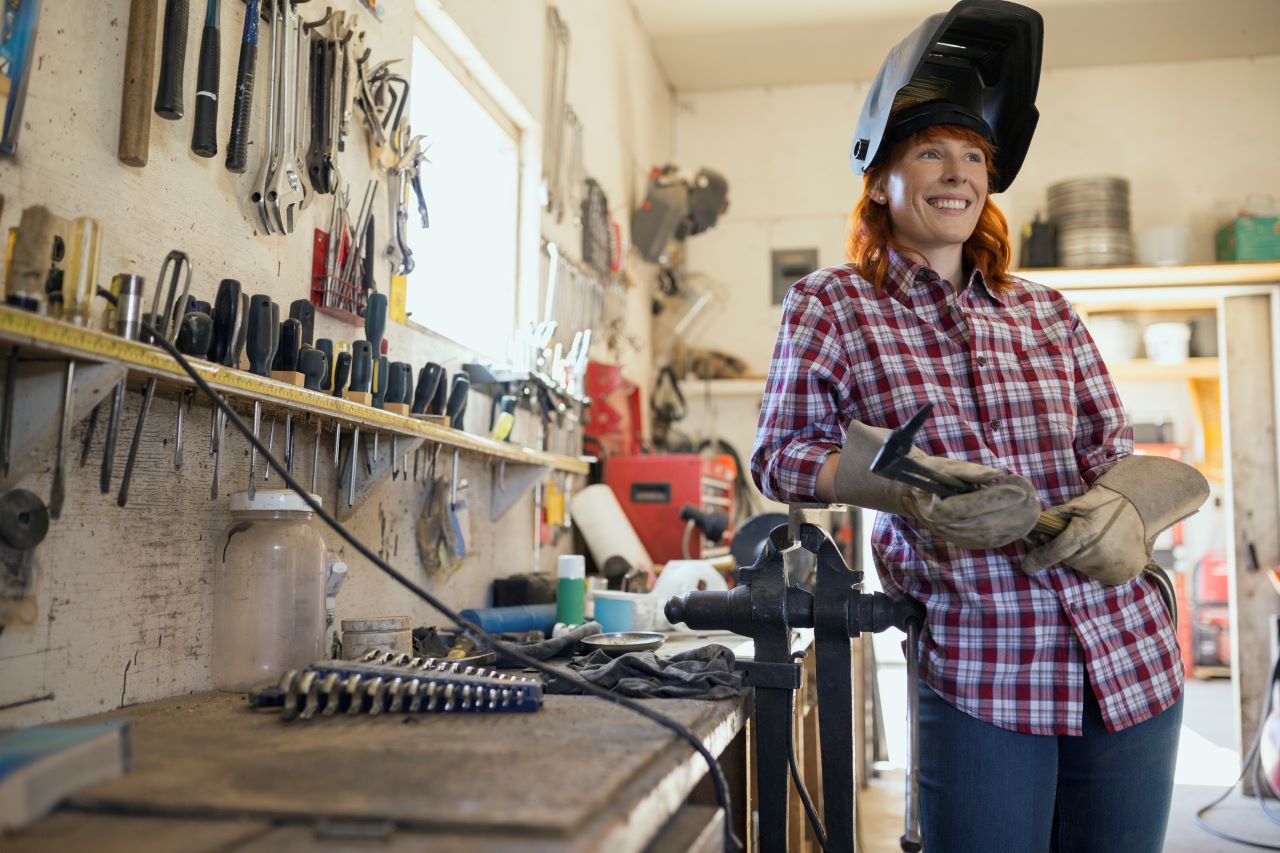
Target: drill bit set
point(386, 682)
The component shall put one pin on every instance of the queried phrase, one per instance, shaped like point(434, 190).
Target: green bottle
point(571, 584)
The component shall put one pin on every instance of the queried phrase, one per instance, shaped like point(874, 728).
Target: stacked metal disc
point(1092, 218)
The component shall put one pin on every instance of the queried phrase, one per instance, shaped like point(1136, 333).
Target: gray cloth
point(545, 649)
point(702, 673)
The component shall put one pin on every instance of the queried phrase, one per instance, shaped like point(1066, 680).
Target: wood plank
point(578, 767)
point(1193, 275)
point(67, 830)
point(1250, 446)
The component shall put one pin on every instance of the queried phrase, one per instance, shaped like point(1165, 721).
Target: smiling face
point(935, 189)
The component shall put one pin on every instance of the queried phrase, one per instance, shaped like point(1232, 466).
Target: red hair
point(871, 234)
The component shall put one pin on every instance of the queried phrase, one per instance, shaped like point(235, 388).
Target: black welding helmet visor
point(977, 66)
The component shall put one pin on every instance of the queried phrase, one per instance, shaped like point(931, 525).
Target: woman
point(1050, 693)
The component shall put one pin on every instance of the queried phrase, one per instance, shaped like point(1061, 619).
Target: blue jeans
point(985, 789)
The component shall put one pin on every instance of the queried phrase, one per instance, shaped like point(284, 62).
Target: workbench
point(581, 774)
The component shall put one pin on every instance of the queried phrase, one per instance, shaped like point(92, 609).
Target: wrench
point(284, 192)
point(258, 197)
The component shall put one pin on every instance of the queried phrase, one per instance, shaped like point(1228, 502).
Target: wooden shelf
point(41, 334)
point(1198, 275)
point(1146, 370)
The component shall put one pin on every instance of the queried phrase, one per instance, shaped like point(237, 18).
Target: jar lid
point(270, 500)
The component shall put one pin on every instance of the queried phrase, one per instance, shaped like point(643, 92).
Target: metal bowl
point(620, 642)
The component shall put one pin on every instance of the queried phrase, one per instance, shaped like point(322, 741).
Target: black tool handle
point(204, 134)
point(290, 346)
point(396, 382)
point(173, 60)
point(275, 330)
point(305, 313)
point(326, 346)
point(201, 306)
point(381, 379)
point(242, 329)
point(242, 106)
point(313, 365)
point(457, 404)
point(441, 397)
point(226, 309)
point(341, 371)
point(361, 366)
point(258, 338)
point(428, 379)
point(195, 334)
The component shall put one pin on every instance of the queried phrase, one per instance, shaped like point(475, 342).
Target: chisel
point(242, 106)
point(139, 68)
point(204, 134)
point(173, 60)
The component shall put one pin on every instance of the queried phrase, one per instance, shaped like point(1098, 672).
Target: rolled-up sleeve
point(800, 420)
point(1103, 434)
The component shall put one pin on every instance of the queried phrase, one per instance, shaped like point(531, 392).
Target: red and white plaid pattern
point(1017, 384)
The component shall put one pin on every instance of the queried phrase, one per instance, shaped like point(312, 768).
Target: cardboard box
point(1250, 238)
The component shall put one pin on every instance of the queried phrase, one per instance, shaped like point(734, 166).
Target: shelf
point(63, 340)
point(1146, 370)
point(1250, 272)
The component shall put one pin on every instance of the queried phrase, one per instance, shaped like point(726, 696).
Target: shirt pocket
point(1046, 369)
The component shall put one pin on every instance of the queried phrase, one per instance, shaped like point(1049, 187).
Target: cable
point(717, 775)
point(818, 829)
point(1252, 761)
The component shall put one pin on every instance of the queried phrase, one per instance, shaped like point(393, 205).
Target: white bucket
point(1167, 343)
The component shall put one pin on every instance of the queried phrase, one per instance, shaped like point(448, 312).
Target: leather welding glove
point(1003, 510)
point(1115, 523)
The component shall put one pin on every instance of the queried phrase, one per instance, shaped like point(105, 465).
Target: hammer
point(894, 462)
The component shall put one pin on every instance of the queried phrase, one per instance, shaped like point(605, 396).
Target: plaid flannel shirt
point(1016, 384)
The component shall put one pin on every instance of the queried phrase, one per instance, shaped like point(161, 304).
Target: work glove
point(1114, 525)
point(1002, 510)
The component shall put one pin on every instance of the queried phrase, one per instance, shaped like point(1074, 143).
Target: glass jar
point(268, 591)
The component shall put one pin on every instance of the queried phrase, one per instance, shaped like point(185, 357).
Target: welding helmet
point(977, 66)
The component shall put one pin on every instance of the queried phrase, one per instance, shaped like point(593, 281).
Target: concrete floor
point(1208, 763)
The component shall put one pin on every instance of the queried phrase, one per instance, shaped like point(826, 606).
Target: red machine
point(654, 489)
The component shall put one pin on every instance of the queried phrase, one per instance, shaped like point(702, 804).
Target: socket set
point(390, 683)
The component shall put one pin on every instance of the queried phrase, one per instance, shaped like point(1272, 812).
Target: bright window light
point(463, 284)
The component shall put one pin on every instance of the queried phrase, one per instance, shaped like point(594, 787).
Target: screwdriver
point(457, 404)
point(375, 326)
point(397, 389)
point(313, 364)
point(358, 392)
point(341, 371)
point(226, 315)
point(285, 369)
point(305, 313)
point(242, 329)
point(428, 380)
point(128, 291)
point(326, 379)
point(441, 397)
point(194, 337)
point(506, 418)
point(258, 344)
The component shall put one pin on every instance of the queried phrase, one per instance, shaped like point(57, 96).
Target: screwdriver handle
point(204, 134)
point(275, 331)
point(341, 371)
point(326, 346)
point(361, 367)
point(441, 397)
point(260, 332)
point(226, 309)
point(195, 334)
point(305, 313)
point(290, 346)
point(375, 320)
point(242, 329)
point(396, 390)
point(173, 60)
point(428, 379)
point(457, 404)
point(313, 364)
point(381, 379)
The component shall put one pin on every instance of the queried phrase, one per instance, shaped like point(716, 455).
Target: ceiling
point(725, 44)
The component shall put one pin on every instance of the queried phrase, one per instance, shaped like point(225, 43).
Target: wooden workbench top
point(580, 774)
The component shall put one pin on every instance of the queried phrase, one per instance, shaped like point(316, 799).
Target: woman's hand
point(1105, 539)
point(1003, 509)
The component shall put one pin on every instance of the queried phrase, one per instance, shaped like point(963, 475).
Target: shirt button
point(981, 360)
point(995, 425)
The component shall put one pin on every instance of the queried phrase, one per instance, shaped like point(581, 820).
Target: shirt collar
point(904, 274)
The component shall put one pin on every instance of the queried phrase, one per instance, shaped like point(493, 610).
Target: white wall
point(1193, 139)
point(125, 594)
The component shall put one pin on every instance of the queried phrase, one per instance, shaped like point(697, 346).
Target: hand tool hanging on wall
point(242, 105)
point(313, 364)
point(403, 174)
point(173, 60)
point(139, 70)
point(285, 369)
point(195, 334)
point(425, 390)
point(17, 49)
point(128, 290)
point(258, 347)
point(305, 313)
point(457, 404)
point(326, 380)
point(557, 50)
point(204, 134)
point(178, 265)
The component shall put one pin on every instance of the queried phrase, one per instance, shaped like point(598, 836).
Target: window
point(464, 284)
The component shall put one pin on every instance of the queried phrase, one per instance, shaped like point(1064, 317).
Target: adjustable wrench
point(266, 172)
